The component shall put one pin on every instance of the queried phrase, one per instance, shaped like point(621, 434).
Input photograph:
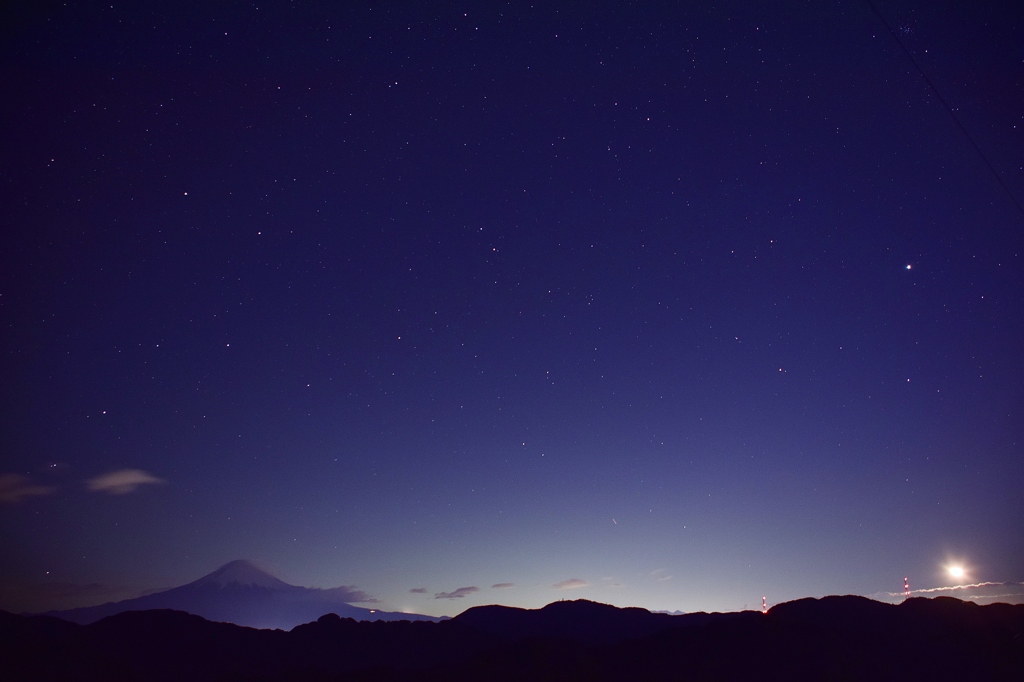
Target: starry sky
point(672, 305)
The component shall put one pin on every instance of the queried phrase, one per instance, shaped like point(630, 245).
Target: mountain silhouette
point(583, 621)
point(835, 638)
point(238, 592)
point(241, 573)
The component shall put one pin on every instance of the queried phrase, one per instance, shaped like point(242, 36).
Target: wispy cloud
point(349, 594)
point(14, 488)
point(419, 590)
point(571, 584)
point(660, 574)
point(121, 482)
point(37, 597)
point(457, 594)
point(502, 586)
point(982, 593)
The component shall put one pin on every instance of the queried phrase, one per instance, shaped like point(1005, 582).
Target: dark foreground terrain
point(835, 638)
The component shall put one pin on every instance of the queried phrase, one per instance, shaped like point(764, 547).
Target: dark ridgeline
point(240, 593)
point(835, 638)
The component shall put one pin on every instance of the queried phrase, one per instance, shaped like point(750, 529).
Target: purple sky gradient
point(680, 307)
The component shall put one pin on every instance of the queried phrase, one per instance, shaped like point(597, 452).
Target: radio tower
point(764, 605)
point(906, 588)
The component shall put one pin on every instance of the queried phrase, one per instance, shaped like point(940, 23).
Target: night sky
point(657, 304)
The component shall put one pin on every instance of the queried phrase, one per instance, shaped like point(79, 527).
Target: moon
point(956, 571)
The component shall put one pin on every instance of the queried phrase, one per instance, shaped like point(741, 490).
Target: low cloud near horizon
point(457, 594)
point(502, 586)
point(571, 584)
point(979, 593)
point(122, 481)
point(14, 488)
point(419, 590)
point(349, 595)
point(40, 597)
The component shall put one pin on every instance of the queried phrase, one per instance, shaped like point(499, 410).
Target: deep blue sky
point(687, 306)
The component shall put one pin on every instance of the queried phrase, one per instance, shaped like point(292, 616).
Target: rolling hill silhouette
point(583, 621)
point(238, 592)
point(836, 638)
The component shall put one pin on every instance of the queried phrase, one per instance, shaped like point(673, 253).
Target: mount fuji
point(239, 592)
